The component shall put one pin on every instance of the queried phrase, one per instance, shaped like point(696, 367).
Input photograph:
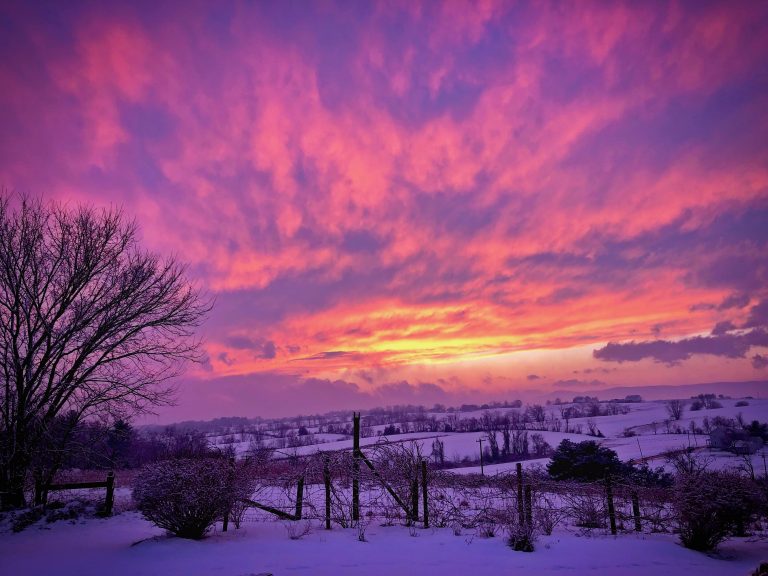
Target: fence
point(392, 482)
point(42, 490)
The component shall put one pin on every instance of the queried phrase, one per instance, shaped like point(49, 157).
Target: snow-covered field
point(645, 419)
point(126, 545)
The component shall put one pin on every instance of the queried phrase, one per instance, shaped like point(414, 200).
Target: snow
point(652, 445)
point(127, 545)
point(652, 438)
point(504, 467)
point(347, 444)
point(651, 441)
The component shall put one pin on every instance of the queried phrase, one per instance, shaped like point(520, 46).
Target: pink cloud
point(433, 184)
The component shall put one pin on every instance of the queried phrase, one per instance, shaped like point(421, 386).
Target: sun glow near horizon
point(431, 194)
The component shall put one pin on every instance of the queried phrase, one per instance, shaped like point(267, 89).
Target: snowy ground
point(127, 545)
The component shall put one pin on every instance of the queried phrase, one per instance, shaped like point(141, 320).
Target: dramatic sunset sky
point(418, 202)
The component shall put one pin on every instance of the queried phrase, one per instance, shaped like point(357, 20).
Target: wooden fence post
point(520, 510)
point(327, 482)
point(611, 509)
point(415, 497)
point(299, 498)
point(109, 501)
point(356, 466)
point(636, 511)
point(424, 493)
point(528, 505)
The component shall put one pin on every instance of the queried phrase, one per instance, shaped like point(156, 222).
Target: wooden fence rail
point(280, 513)
point(42, 490)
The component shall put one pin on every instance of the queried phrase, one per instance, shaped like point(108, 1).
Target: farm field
point(647, 421)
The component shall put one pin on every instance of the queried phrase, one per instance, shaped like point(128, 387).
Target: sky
point(405, 202)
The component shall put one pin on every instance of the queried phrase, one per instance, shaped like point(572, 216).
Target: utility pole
point(482, 471)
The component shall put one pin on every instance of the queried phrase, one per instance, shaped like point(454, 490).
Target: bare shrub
point(390, 514)
point(486, 528)
point(675, 409)
point(656, 511)
point(586, 507)
point(184, 496)
point(521, 538)
point(548, 513)
point(68, 511)
point(710, 506)
point(361, 526)
point(297, 530)
point(541, 447)
point(241, 484)
point(687, 462)
point(26, 518)
point(696, 405)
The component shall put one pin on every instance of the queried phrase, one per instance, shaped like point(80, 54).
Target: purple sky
point(418, 202)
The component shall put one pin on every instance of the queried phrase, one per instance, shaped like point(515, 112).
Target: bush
point(585, 461)
point(242, 484)
point(521, 538)
point(26, 518)
point(644, 475)
point(710, 506)
point(756, 428)
point(741, 403)
point(184, 496)
point(587, 509)
point(391, 430)
point(69, 511)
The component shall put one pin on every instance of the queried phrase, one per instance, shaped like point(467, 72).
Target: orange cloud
point(438, 185)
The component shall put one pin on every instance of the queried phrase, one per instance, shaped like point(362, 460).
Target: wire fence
point(400, 487)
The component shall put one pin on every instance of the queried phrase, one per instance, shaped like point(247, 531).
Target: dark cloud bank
point(726, 340)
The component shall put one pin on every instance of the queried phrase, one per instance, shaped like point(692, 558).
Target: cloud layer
point(378, 188)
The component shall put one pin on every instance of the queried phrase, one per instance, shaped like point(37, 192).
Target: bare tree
point(90, 324)
point(438, 451)
point(490, 425)
point(505, 424)
point(536, 414)
point(675, 409)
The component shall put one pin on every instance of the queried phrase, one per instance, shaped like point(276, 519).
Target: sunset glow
point(407, 202)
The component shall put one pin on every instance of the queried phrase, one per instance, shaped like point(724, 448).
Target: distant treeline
point(338, 421)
